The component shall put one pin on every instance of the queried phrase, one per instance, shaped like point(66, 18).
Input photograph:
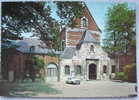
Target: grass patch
point(29, 89)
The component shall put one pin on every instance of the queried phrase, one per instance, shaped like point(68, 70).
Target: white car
point(73, 80)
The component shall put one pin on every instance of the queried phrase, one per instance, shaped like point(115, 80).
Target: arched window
point(78, 70)
point(84, 22)
point(104, 69)
point(67, 70)
point(51, 70)
point(92, 48)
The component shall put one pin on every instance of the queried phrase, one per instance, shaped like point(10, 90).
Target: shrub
point(39, 63)
point(130, 72)
point(39, 66)
point(120, 75)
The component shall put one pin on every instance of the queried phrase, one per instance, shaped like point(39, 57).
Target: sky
point(97, 9)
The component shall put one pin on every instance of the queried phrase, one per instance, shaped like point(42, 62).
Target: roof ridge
point(92, 17)
point(81, 40)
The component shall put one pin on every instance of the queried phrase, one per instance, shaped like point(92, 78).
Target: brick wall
point(18, 62)
point(127, 58)
point(91, 22)
point(48, 59)
point(73, 37)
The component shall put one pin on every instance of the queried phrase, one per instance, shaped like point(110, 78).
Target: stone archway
point(92, 71)
point(52, 72)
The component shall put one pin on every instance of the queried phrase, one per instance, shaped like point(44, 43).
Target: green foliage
point(120, 75)
point(130, 72)
point(39, 63)
point(30, 89)
point(69, 10)
point(39, 67)
point(35, 17)
point(51, 54)
point(120, 29)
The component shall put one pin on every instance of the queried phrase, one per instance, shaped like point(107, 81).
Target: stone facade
point(84, 55)
point(84, 58)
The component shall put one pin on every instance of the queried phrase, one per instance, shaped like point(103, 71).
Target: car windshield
point(71, 78)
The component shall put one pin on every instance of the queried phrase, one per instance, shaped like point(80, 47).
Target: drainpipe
point(59, 68)
point(118, 66)
point(0, 71)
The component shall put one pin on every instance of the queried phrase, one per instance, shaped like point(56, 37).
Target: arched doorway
point(92, 71)
point(52, 72)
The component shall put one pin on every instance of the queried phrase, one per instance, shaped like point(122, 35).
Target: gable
point(73, 38)
point(90, 20)
point(85, 23)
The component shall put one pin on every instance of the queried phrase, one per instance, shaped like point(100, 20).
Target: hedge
point(130, 72)
point(120, 75)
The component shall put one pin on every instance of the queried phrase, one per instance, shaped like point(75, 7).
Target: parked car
point(73, 80)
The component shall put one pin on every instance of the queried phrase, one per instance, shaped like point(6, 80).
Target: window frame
point(113, 69)
point(51, 72)
point(92, 48)
point(67, 70)
point(78, 70)
point(82, 22)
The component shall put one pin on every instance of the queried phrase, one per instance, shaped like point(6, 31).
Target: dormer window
point(84, 22)
point(32, 48)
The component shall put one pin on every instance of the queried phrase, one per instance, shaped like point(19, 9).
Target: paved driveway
point(94, 89)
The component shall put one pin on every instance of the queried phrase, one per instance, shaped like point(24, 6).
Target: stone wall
point(97, 57)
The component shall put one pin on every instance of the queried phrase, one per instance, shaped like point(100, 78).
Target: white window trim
point(82, 22)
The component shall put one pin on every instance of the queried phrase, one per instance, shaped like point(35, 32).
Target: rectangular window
point(78, 70)
point(113, 68)
point(67, 70)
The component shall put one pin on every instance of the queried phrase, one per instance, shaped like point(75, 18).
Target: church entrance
point(92, 71)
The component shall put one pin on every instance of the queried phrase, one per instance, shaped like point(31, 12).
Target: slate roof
point(39, 47)
point(68, 53)
point(89, 38)
point(86, 37)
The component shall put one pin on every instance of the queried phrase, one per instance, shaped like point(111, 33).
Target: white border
point(137, 46)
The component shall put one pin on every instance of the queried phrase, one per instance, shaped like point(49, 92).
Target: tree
point(19, 17)
point(68, 11)
point(120, 28)
point(35, 17)
point(38, 66)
